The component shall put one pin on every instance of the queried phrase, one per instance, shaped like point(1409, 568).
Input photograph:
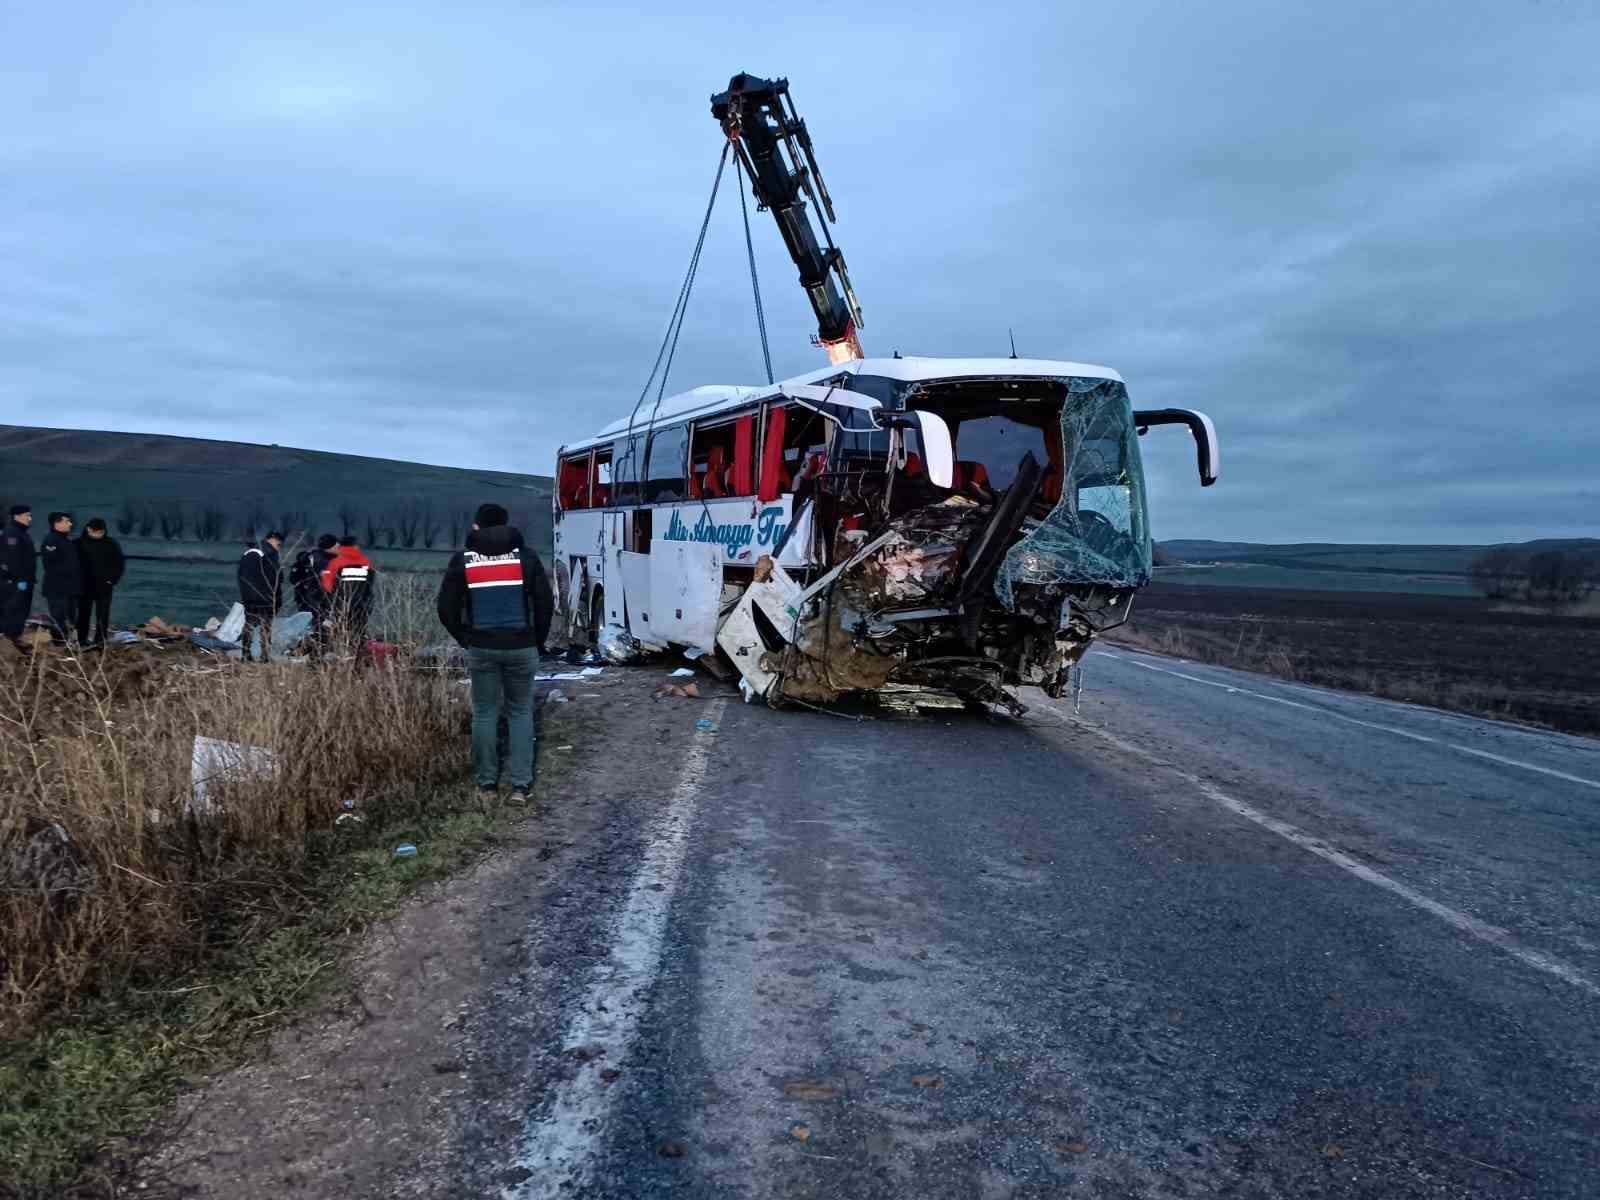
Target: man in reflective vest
point(347, 581)
point(496, 602)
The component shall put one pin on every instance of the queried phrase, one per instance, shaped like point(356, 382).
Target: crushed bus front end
point(974, 536)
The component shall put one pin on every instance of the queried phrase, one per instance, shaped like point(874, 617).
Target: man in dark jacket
point(19, 571)
point(63, 576)
point(496, 602)
point(103, 563)
point(260, 591)
point(305, 576)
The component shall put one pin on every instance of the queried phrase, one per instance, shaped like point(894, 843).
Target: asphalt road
point(1213, 935)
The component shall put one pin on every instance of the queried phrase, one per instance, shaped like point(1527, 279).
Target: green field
point(190, 591)
point(134, 480)
point(1261, 575)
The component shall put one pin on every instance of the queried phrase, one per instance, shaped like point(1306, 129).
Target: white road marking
point(558, 1144)
point(1466, 923)
point(1323, 712)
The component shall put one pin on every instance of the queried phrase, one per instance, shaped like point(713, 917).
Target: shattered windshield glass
point(1097, 530)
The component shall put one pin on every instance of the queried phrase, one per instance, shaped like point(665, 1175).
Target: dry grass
point(145, 938)
point(109, 875)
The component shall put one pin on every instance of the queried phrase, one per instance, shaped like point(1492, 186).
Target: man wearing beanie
point(19, 571)
point(496, 602)
point(261, 592)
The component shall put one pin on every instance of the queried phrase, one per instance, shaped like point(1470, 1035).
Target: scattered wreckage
point(959, 525)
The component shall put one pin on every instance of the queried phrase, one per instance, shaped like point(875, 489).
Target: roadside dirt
point(386, 1090)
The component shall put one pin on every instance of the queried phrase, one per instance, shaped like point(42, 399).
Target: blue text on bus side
point(735, 537)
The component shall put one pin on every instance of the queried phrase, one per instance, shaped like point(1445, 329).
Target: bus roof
point(701, 402)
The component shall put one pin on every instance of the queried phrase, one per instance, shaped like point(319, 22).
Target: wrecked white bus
point(965, 525)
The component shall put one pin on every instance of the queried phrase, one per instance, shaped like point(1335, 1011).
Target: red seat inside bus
point(573, 489)
point(969, 474)
point(722, 459)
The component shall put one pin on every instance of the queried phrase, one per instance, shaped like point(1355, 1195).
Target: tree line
point(413, 525)
point(1505, 573)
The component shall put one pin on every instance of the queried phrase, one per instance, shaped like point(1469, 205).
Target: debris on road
point(686, 691)
point(809, 1089)
point(569, 676)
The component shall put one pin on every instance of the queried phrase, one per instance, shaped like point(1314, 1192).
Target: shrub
point(109, 874)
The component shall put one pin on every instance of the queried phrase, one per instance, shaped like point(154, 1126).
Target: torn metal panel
point(685, 586)
point(763, 619)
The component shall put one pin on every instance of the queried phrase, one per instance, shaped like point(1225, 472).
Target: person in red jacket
point(348, 582)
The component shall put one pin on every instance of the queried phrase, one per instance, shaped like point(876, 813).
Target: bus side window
point(574, 489)
point(797, 441)
point(664, 475)
point(627, 468)
point(600, 492)
point(722, 459)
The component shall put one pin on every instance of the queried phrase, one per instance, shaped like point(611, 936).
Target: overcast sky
point(1365, 238)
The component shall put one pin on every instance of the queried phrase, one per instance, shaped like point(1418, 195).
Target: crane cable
point(755, 280)
point(669, 342)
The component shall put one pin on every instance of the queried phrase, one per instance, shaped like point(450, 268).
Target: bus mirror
point(938, 452)
point(1207, 453)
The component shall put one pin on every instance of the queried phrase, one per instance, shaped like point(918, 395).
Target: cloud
point(1358, 235)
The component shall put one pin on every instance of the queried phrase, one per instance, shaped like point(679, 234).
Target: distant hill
point(1367, 559)
point(142, 482)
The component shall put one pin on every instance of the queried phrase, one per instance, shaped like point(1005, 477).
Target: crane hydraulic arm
point(772, 143)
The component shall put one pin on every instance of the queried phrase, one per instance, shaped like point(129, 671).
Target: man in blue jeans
point(496, 602)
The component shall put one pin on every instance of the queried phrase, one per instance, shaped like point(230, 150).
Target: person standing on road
point(103, 564)
point(495, 601)
point(260, 591)
point(347, 582)
point(19, 571)
point(63, 577)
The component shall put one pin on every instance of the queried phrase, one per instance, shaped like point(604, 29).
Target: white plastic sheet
point(232, 627)
point(288, 632)
point(214, 760)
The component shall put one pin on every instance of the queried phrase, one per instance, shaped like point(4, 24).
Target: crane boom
point(774, 147)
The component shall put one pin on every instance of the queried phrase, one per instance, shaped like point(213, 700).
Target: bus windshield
point(1092, 524)
point(1098, 530)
